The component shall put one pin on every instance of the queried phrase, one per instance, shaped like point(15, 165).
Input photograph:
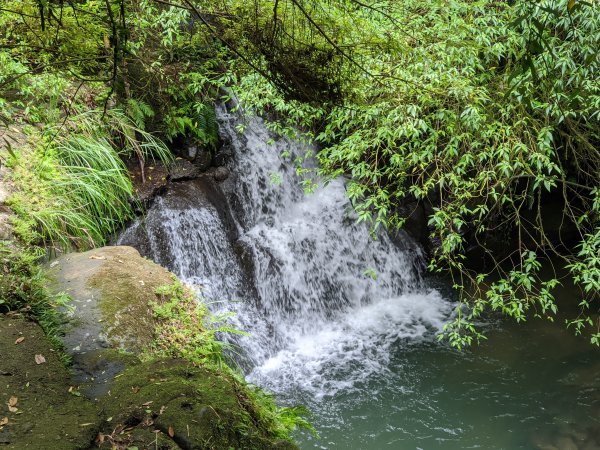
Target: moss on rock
point(197, 407)
point(112, 288)
point(142, 344)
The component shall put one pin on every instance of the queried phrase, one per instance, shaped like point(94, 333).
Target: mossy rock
point(112, 289)
point(198, 408)
point(164, 403)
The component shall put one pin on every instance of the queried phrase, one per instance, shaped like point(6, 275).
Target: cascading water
point(341, 323)
point(316, 292)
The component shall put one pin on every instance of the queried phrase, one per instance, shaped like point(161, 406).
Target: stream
point(346, 324)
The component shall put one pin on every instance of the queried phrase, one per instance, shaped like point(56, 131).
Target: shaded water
point(525, 388)
point(345, 325)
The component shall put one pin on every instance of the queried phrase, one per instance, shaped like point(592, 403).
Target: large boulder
point(159, 402)
point(199, 408)
point(111, 317)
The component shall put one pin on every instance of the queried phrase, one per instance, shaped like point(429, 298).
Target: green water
point(526, 387)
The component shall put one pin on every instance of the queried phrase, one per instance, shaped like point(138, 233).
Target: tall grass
point(122, 134)
point(75, 190)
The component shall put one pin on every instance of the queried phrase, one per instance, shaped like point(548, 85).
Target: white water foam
point(323, 301)
point(339, 355)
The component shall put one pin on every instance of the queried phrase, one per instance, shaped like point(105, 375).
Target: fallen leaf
point(13, 409)
point(19, 340)
point(74, 391)
point(97, 257)
point(147, 403)
point(171, 432)
point(162, 410)
point(13, 401)
point(135, 389)
point(39, 359)
point(86, 424)
point(3, 421)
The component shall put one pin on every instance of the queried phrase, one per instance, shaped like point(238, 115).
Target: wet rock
point(111, 289)
point(198, 407)
point(150, 183)
point(415, 223)
point(49, 414)
point(191, 152)
point(223, 156)
point(182, 170)
point(221, 174)
point(203, 160)
point(150, 237)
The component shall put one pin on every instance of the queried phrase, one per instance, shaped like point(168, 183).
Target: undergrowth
point(74, 190)
point(23, 289)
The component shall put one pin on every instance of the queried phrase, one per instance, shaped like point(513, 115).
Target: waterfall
point(323, 301)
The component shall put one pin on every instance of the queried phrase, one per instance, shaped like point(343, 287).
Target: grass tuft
point(75, 190)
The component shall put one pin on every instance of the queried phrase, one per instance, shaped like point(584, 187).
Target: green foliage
point(186, 329)
point(57, 35)
point(74, 189)
point(74, 195)
point(184, 65)
point(480, 111)
point(34, 98)
point(149, 57)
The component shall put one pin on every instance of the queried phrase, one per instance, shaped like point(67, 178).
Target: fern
point(138, 111)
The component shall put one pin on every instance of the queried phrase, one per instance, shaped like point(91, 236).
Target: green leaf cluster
point(486, 113)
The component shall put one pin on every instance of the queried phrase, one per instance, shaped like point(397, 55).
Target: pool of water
point(526, 387)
